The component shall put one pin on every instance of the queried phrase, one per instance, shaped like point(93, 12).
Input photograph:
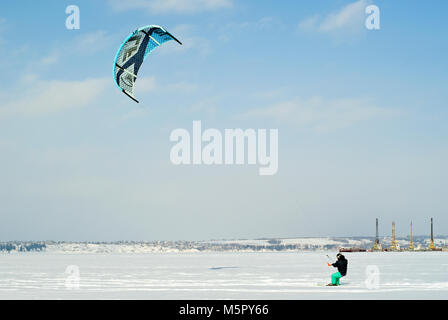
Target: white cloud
point(29, 79)
point(44, 96)
point(84, 44)
point(150, 84)
point(190, 41)
point(145, 84)
point(92, 42)
point(185, 87)
point(171, 6)
point(351, 16)
point(234, 29)
point(208, 105)
point(318, 113)
point(50, 59)
point(348, 20)
point(310, 23)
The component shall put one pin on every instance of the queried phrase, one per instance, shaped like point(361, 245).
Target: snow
point(221, 275)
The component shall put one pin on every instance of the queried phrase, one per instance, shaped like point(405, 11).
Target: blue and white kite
point(133, 52)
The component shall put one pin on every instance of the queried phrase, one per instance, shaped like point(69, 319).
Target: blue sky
point(361, 116)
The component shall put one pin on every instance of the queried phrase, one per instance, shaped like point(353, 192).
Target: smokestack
point(377, 236)
point(432, 231)
point(411, 242)
point(431, 244)
point(376, 245)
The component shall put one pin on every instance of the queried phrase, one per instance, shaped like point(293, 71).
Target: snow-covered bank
point(237, 245)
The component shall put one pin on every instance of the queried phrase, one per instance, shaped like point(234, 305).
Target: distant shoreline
point(236, 245)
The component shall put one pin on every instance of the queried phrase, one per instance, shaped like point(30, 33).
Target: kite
point(133, 52)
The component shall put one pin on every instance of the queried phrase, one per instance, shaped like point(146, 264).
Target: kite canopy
point(133, 52)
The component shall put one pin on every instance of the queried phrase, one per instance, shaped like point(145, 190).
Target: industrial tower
point(377, 244)
point(393, 244)
point(431, 244)
point(411, 242)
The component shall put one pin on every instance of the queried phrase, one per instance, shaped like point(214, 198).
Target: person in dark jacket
point(341, 264)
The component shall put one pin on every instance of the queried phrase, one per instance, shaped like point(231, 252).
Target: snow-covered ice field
point(283, 275)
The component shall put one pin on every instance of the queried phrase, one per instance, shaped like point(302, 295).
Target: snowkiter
point(341, 264)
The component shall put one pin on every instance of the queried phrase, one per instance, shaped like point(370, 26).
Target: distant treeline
point(22, 246)
point(214, 245)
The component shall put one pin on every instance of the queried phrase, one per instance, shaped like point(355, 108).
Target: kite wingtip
point(130, 96)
